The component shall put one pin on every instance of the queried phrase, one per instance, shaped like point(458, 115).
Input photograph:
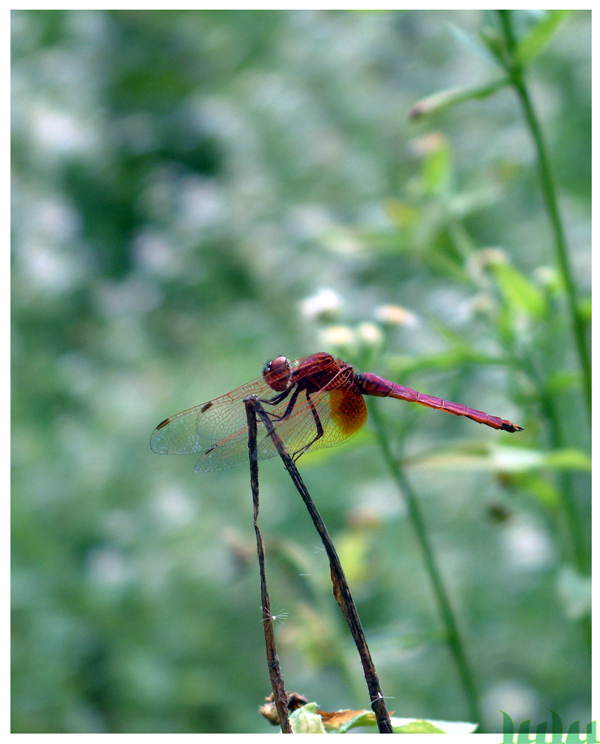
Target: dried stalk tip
point(269, 710)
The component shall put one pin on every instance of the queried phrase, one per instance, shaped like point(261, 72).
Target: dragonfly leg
point(278, 399)
point(319, 426)
point(288, 412)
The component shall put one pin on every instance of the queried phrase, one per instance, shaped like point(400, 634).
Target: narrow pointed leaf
point(472, 43)
point(417, 726)
point(539, 36)
point(518, 291)
point(446, 98)
point(437, 170)
point(483, 456)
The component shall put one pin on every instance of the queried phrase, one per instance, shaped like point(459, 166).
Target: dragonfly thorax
point(277, 373)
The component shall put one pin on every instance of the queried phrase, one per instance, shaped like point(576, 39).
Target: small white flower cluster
point(325, 306)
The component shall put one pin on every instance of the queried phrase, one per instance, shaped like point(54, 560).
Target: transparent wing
point(219, 427)
point(196, 429)
point(341, 413)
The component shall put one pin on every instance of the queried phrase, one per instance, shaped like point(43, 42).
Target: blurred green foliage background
point(195, 192)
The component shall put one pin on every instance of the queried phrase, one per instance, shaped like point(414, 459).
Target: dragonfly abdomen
point(371, 384)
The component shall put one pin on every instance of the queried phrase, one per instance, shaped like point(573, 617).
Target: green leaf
point(472, 43)
point(531, 45)
point(419, 726)
point(404, 725)
point(537, 485)
point(404, 216)
point(484, 456)
point(416, 727)
point(559, 381)
point(306, 720)
point(518, 291)
point(585, 309)
point(445, 98)
point(465, 203)
point(437, 170)
point(568, 459)
point(364, 718)
point(495, 44)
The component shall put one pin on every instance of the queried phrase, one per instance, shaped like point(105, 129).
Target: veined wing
point(341, 411)
point(197, 428)
point(201, 427)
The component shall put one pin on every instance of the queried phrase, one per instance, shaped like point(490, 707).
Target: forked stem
point(341, 590)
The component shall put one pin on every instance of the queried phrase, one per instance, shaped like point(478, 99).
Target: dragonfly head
point(277, 373)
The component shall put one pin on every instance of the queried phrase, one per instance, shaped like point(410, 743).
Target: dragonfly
point(313, 402)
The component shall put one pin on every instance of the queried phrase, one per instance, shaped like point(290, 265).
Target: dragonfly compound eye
point(277, 373)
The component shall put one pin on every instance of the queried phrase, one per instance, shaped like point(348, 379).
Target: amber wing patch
point(348, 410)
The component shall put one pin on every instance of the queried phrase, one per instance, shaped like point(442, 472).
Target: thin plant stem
point(452, 634)
point(277, 684)
point(578, 548)
point(341, 590)
point(547, 184)
point(579, 553)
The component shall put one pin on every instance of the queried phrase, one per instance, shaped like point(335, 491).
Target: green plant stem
point(547, 183)
point(451, 629)
point(575, 531)
point(579, 550)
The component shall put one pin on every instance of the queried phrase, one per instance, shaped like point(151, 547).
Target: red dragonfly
point(316, 401)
